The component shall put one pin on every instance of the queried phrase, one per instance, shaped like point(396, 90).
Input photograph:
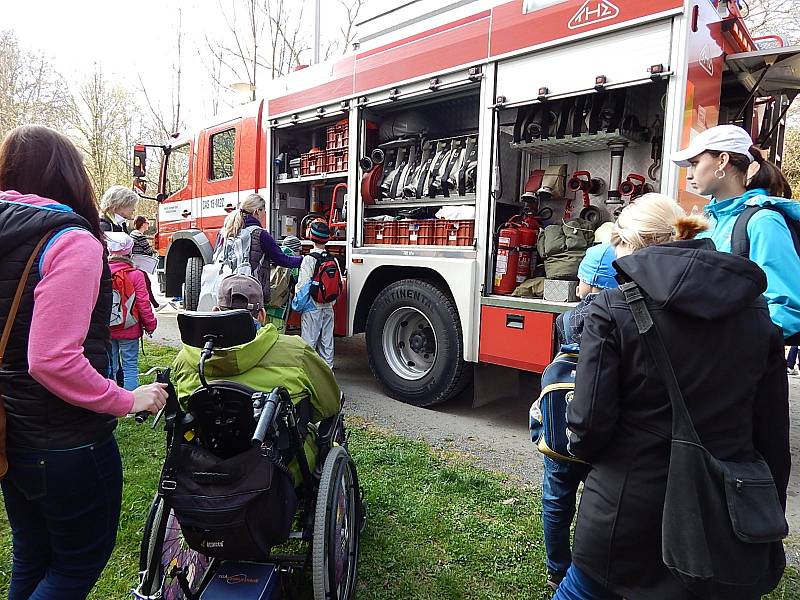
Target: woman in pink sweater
point(128, 323)
point(63, 488)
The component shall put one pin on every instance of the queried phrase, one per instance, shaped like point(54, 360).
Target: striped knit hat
point(293, 243)
point(320, 232)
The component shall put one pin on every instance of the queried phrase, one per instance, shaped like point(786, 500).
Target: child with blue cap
point(561, 478)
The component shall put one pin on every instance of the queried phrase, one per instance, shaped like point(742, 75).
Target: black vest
point(36, 417)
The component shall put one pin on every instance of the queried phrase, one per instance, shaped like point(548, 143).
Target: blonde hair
point(234, 222)
point(655, 219)
point(116, 197)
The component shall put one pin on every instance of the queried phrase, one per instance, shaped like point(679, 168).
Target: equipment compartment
point(316, 189)
point(585, 156)
point(424, 158)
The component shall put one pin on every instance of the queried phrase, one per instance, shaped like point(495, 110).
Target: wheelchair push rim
point(335, 545)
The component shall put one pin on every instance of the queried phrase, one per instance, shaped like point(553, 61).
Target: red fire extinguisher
point(506, 263)
point(528, 227)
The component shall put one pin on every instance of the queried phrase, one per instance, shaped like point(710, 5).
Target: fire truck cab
point(449, 120)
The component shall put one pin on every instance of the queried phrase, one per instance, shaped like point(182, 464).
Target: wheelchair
point(246, 473)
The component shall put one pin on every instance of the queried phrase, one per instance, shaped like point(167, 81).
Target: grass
point(438, 528)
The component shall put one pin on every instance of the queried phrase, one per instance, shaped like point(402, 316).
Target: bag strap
point(12, 313)
point(682, 426)
point(565, 322)
point(740, 242)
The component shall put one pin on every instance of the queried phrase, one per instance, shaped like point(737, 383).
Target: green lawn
point(438, 527)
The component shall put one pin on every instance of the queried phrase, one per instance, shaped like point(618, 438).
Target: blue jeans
point(63, 507)
point(578, 586)
point(128, 351)
point(559, 490)
point(791, 358)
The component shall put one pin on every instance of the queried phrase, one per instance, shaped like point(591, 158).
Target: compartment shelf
point(575, 144)
point(467, 200)
point(313, 178)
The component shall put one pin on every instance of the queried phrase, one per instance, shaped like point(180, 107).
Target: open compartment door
point(772, 79)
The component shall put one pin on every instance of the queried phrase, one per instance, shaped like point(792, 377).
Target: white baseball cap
point(722, 138)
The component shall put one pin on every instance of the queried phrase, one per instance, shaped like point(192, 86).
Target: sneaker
point(553, 580)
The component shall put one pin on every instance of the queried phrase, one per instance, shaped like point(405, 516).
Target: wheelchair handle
point(162, 376)
point(268, 413)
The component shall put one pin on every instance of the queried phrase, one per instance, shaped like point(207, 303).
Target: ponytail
point(234, 222)
point(768, 177)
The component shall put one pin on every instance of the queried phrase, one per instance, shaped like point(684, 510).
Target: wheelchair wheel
point(163, 549)
point(335, 546)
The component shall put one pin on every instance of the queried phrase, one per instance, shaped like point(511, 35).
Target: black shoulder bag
point(723, 522)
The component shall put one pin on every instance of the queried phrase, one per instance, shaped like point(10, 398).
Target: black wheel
point(337, 529)
point(191, 291)
point(163, 549)
point(414, 343)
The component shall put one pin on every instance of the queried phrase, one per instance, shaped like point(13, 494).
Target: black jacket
point(109, 225)
point(35, 417)
point(728, 358)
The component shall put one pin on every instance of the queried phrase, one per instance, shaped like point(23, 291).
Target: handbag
point(723, 522)
point(12, 314)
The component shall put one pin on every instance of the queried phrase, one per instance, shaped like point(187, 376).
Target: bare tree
point(103, 123)
point(770, 17)
point(347, 32)
point(242, 52)
point(791, 158)
point(31, 91)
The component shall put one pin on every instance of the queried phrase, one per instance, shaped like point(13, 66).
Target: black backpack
point(740, 242)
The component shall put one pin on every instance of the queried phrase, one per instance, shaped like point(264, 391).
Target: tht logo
point(593, 11)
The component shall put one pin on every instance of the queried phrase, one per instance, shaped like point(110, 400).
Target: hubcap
point(409, 343)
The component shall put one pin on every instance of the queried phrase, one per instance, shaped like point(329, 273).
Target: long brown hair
point(38, 160)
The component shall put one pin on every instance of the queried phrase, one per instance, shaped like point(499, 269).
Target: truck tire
point(414, 343)
point(191, 292)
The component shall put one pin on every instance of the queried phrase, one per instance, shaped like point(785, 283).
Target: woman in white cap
point(723, 164)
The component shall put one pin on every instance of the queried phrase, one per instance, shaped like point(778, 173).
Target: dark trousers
point(559, 489)
point(791, 358)
point(579, 586)
point(63, 507)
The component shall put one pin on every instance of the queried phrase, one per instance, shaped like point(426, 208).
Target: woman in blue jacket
point(723, 164)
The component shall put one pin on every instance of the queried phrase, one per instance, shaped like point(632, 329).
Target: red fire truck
point(438, 129)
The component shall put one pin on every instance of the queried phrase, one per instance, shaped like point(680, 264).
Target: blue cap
point(596, 268)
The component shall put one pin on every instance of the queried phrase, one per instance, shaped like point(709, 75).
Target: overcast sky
point(131, 38)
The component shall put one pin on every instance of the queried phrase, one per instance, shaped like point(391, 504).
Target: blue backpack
point(548, 414)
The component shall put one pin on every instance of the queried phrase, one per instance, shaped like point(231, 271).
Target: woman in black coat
point(728, 358)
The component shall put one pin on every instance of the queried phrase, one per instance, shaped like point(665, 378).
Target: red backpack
point(124, 313)
point(326, 283)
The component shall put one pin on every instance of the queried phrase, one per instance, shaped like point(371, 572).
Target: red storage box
point(336, 161)
point(371, 231)
point(422, 234)
point(402, 232)
point(331, 137)
point(464, 232)
point(388, 233)
point(312, 163)
point(454, 233)
point(337, 135)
